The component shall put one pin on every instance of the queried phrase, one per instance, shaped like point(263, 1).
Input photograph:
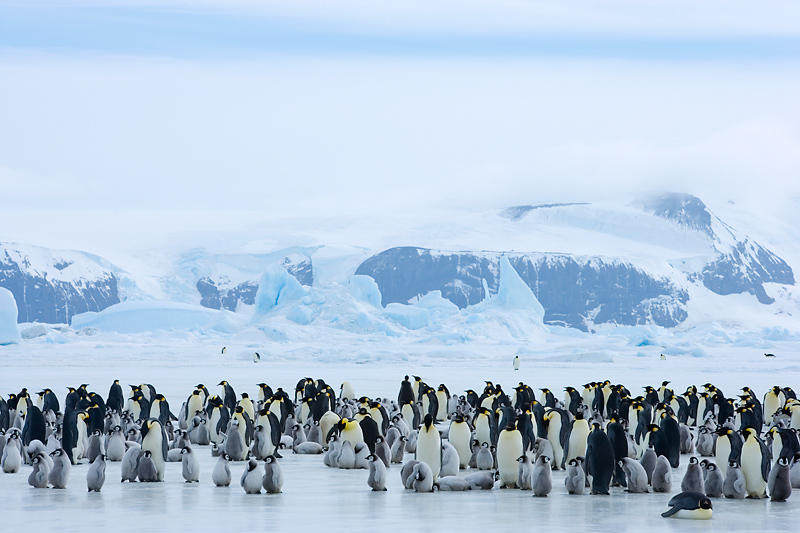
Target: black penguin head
point(705, 503)
point(428, 421)
point(693, 461)
point(270, 459)
point(148, 453)
point(711, 466)
point(783, 461)
point(733, 463)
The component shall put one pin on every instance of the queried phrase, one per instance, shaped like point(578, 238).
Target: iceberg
point(364, 288)
point(408, 316)
point(276, 287)
point(9, 331)
point(513, 293)
point(151, 315)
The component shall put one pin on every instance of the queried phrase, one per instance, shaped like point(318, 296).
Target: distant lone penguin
point(516, 362)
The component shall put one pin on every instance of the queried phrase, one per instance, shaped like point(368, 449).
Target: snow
point(9, 331)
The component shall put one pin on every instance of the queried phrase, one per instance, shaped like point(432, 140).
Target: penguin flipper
point(672, 510)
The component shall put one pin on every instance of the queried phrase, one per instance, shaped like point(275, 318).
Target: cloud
point(345, 135)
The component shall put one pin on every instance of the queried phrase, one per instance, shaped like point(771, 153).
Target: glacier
point(9, 331)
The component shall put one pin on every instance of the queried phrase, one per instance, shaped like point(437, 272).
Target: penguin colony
point(739, 447)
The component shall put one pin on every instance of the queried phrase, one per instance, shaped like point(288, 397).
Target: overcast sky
point(298, 105)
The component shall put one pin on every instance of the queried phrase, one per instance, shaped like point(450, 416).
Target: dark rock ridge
point(574, 292)
point(54, 285)
point(219, 291)
point(582, 291)
point(741, 266)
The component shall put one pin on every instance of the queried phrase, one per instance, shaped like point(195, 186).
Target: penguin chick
point(38, 478)
point(525, 472)
point(96, 475)
point(481, 480)
point(693, 478)
point(541, 477)
point(734, 485)
point(405, 474)
point(423, 478)
point(190, 466)
point(251, 478)
point(130, 463)
point(692, 505)
point(484, 460)
point(779, 483)
point(221, 475)
point(713, 483)
point(273, 475)
point(398, 449)
point(377, 473)
point(451, 484)
point(635, 476)
point(662, 475)
point(59, 474)
point(575, 481)
point(450, 460)
point(648, 461)
point(147, 471)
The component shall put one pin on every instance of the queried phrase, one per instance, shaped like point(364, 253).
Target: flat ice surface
point(332, 499)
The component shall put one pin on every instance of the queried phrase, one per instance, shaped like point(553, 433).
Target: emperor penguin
point(516, 362)
point(251, 478)
point(577, 438)
point(59, 474)
point(273, 476)
point(350, 431)
point(346, 391)
point(692, 505)
point(558, 428)
point(221, 475)
point(541, 477)
point(38, 477)
point(460, 437)
point(509, 448)
point(755, 464)
point(377, 473)
point(442, 395)
point(728, 447)
point(481, 480)
point(734, 485)
point(190, 466)
point(779, 483)
point(714, 481)
point(234, 443)
point(484, 426)
point(96, 475)
point(693, 478)
point(635, 475)
point(429, 447)
point(600, 463)
point(154, 440)
point(575, 481)
point(705, 442)
point(773, 401)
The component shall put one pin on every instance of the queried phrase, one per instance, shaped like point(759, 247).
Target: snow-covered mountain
point(666, 260)
point(54, 285)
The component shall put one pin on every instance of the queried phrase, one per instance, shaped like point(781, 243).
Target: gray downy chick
point(96, 475)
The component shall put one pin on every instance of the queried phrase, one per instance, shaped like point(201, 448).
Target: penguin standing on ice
point(509, 448)
point(154, 440)
point(273, 476)
point(516, 362)
point(221, 475)
point(377, 473)
point(429, 447)
point(599, 460)
point(96, 475)
point(779, 483)
point(755, 464)
point(575, 481)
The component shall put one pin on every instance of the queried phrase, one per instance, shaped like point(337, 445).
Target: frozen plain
point(340, 500)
